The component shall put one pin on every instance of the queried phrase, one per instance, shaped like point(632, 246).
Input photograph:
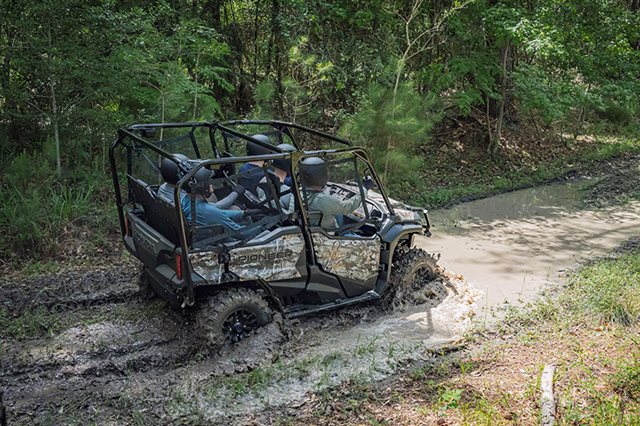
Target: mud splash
point(317, 359)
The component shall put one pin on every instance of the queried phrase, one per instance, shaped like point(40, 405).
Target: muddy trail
point(88, 347)
point(96, 350)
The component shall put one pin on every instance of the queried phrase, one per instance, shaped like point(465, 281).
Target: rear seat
point(159, 214)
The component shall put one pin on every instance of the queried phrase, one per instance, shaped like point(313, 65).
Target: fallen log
point(547, 401)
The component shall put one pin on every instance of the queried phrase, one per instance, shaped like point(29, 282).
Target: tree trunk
point(255, 42)
point(56, 130)
point(195, 92)
point(211, 12)
point(495, 142)
point(278, 48)
point(11, 108)
point(161, 114)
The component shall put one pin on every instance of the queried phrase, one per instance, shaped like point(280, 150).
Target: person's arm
point(234, 214)
point(345, 206)
point(227, 201)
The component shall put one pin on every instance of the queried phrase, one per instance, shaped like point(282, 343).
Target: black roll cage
point(296, 157)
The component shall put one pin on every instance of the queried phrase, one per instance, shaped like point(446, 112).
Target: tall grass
point(608, 289)
point(38, 212)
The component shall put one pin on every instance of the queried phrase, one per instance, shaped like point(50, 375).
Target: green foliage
point(392, 127)
point(264, 98)
point(38, 210)
point(627, 380)
point(30, 323)
point(450, 398)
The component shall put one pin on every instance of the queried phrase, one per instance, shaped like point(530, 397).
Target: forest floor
point(84, 346)
point(458, 167)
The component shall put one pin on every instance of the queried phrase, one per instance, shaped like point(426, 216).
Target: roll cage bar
point(296, 157)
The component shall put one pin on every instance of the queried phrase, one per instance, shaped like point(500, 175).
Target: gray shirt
point(330, 207)
point(287, 202)
point(165, 192)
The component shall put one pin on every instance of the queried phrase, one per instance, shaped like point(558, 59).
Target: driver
point(314, 176)
point(280, 173)
point(208, 214)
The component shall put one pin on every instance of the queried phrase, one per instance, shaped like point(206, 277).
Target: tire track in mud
point(118, 352)
point(71, 290)
point(110, 334)
point(115, 339)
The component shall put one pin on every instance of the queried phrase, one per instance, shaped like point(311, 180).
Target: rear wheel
point(232, 315)
point(414, 279)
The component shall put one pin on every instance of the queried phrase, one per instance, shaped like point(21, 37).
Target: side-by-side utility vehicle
point(241, 228)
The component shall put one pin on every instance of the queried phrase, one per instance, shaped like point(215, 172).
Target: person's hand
point(367, 182)
point(239, 189)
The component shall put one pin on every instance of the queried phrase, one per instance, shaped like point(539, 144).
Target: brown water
point(512, 245)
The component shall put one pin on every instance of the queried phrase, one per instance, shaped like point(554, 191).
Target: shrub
point(392, 127)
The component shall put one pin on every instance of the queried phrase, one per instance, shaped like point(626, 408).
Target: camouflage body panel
point(353, 258)
point(399, 208)
point(276, 260)
point(407, 215)
point(375, 196)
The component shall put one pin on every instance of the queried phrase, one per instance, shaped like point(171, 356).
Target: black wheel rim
point(239, 325)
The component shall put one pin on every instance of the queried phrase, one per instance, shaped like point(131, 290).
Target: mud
point(70, 290)
point(122, 359)
point(115, 357)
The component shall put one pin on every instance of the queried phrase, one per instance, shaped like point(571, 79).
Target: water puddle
point(549, 200)
point(514, 244)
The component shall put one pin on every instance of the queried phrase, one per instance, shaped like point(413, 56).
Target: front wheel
point(232, 315)
point(414, 279)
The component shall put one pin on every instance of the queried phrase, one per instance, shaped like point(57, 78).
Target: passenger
point(208, 214)
point(314, 176)
point(282, 172)
point(172, 173)
point(252, 172)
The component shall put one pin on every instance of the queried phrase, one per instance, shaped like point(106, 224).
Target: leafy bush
point(37, 210)
point(392, 127)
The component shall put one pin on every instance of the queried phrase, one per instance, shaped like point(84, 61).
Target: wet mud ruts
point(120, 358)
